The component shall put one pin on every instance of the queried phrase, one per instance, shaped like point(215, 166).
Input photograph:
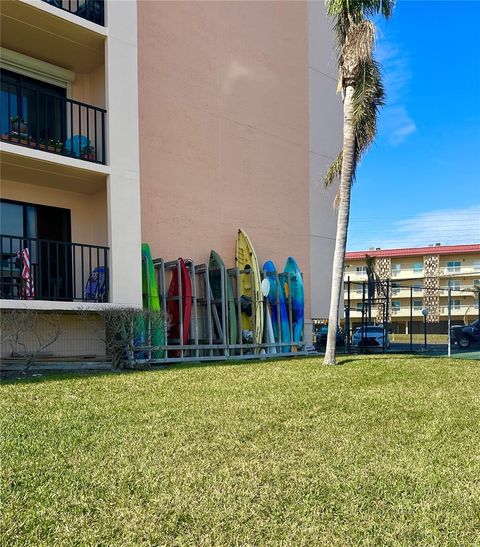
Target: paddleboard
point(279, 312)
point(250, 289)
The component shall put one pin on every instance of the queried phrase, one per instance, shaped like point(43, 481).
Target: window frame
point(454, 266)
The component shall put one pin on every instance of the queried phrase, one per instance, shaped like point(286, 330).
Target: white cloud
point(396, 123)
point(447, 226)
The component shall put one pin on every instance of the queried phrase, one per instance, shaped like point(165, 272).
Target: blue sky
point(420, 181)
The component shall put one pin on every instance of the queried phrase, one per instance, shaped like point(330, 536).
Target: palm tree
point(362, 91)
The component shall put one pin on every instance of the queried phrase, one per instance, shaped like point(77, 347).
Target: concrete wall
point(325, 143)
point(236, 127)
point(78, 336)
point(88, 211)
point(123, 184)
point(90, 87)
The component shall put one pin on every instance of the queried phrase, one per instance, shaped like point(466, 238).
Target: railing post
point(9, 117)
point(104, 159)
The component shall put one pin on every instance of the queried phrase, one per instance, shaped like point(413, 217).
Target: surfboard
point(151, 300)
point(215, 265)
point(250, 287)
point(297, 296)
point(173, 306)
point(280, 319)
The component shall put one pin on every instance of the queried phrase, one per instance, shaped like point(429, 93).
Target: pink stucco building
point(173, 123)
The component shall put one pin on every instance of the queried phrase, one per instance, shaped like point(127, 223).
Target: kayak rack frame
point(209, 336)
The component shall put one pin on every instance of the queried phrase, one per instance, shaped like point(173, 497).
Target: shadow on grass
point(349, 359)
point(16, 377)
point(37, 376)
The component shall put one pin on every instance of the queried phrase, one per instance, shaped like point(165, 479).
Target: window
point(395, 288)
point(28, 115)
point(396, 305)
point(417, 266)
point(359, 306)
point(456, 304)
point(396, 269)
point(455, 284)
point(417, 287)
point(417, 305)
point(361, 270)
point(453, 266)
point(476, 265)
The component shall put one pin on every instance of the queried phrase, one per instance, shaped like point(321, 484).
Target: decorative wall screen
point(383, 267)
point(431, 294)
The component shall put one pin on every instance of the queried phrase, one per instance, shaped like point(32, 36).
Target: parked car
point(321, 337)
point(372, 336)
point(464, 335)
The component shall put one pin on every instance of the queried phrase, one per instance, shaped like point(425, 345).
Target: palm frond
point(334, 170)
point(360, 9)
point(368, 97)
point(358, 68)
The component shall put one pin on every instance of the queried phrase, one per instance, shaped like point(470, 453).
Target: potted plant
point(54, 145)
point(19, 129)
point(88, 152)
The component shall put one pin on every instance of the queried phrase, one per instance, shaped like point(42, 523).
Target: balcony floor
point(28, 165)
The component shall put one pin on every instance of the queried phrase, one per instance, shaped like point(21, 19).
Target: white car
point(372, 336)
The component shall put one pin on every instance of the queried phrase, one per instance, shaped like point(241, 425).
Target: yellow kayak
point(250, 287)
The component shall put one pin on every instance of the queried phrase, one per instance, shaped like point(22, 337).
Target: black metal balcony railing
point(91, 10)
point(41, 269)
point(46, 121)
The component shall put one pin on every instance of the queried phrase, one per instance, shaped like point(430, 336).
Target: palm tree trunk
point(348, 163)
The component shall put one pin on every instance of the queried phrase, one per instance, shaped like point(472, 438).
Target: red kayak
point(173, 306)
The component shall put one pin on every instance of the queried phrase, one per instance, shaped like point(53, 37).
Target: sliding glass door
point(45, 231)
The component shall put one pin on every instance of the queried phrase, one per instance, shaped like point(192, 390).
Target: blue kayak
point(297, 296)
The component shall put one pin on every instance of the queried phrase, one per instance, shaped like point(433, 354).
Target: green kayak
point(151, 300)
point(215, 266)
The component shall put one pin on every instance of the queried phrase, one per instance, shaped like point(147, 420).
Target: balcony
point(355, 275)
point(40, 269)
point(446, 271)
point(395, 292)
point(52, 123)
point(91, 10)
point(407, 273)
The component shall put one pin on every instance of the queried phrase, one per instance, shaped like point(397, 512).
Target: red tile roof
point(416, 251)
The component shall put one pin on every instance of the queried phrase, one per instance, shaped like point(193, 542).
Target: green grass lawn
point(380, 451)
point(419, 338)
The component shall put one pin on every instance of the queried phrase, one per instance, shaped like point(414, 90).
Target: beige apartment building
point(172, 123)
point(419, 279)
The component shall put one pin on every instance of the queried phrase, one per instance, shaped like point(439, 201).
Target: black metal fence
point(48, 122)
point(404, 315)
point(40, 269)
point(91, 10)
